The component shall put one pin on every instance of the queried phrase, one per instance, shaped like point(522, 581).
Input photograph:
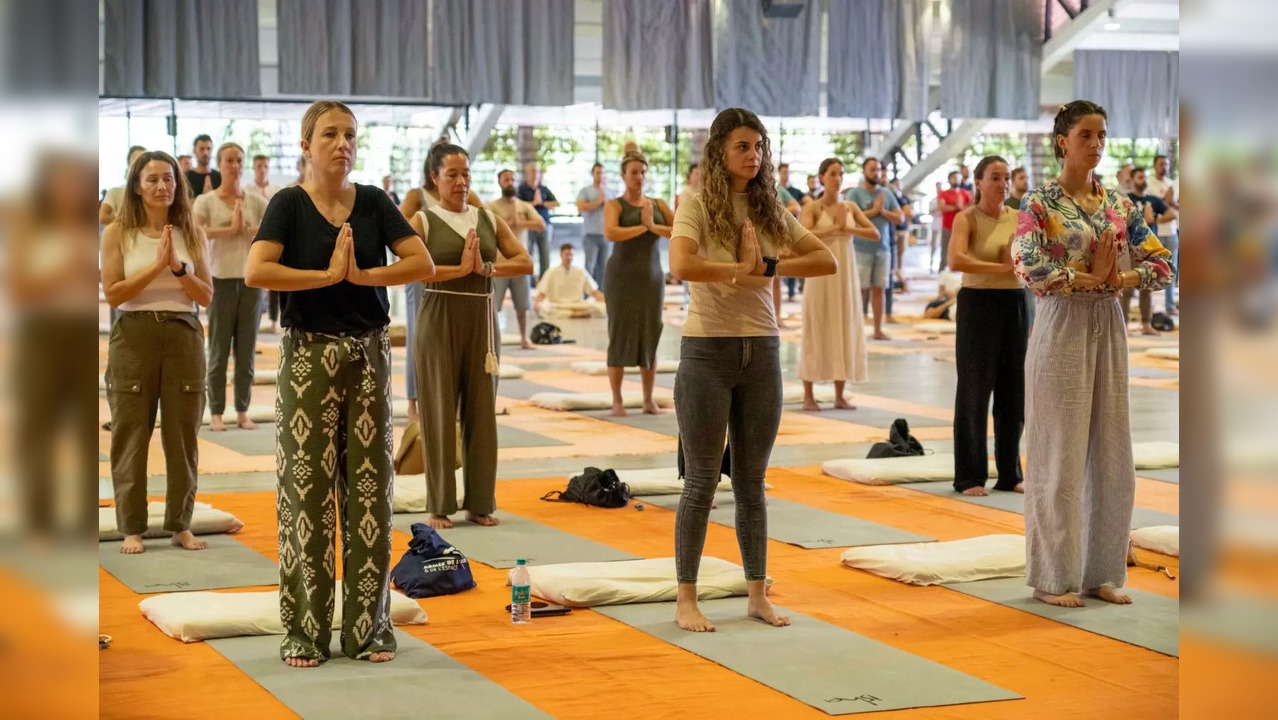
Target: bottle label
point(521, 594)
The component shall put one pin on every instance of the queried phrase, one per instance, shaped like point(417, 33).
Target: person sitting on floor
point(563, 290)
point(939, 308)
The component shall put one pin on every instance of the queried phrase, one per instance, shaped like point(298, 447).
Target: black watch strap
point(179, 273)
point(771, 270)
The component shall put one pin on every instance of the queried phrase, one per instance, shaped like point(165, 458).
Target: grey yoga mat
point(516, 537)
point(802, 525)
point(421, 682)
point(226, 563)
point(822, 665)
point(1151, 621)
point(1015, 502)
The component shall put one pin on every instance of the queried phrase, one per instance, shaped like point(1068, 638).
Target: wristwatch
point(179, 273)
point(771, 270)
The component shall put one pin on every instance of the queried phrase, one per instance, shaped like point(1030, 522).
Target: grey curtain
point(657, 55)
point(877, 61)
point(513, 52)
point(353, 47)
point(181, 48)
point(992, 59)
point(768, 65)
point(1140, 90)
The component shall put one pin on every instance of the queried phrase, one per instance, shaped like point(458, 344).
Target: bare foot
point(216, 424)
point(299, 662)
point(650, 408)
point(132, 545)
point(890, 320)
point(485, 520)
point(810, 405)
point(762, 609)
point(242, 421)
point(275, 328)
point(842, 404)
point(1070, 600)
point(880, 335)
point(1109, 594)
point(527, 345)
point(619, 410)
point(976, 491)
point(439, 522)
point(714, 505)
point(1020, 488)
point(381, 657)
point(688, 617)
point(187, 541)
point(1148, 329)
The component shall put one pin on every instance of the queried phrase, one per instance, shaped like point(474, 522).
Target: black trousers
point(990, 344)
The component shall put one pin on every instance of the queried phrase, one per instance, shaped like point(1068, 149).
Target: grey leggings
point(234, 314)
point(732, 385)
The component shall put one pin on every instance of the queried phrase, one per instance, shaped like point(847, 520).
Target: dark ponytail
point(979, 172)
point(1068, 116)
point(435, 159)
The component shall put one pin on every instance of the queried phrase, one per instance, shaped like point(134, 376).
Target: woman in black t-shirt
point(322, 245)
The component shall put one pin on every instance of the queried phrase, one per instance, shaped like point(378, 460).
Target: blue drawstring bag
point(431, 567)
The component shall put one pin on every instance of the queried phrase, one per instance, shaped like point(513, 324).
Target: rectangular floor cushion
point(979, 558)
point(631, 581)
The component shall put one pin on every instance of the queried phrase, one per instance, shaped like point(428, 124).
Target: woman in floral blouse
point(1078, 246)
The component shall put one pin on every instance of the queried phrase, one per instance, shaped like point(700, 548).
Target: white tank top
point(165, 292)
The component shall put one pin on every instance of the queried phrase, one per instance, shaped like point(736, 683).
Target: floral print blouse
point(1054, 240)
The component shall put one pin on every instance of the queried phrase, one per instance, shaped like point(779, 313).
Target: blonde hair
point(227, 146)
point(317, 109)
point(133, 215)
point(632, 155)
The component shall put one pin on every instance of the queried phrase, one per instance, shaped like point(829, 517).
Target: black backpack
point(601, 488)
point(900, 442)
point(546, 334)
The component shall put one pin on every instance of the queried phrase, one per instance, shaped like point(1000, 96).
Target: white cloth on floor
point(1163, 539)
point(892, 471)
point(1156, 455)
point(631, 581)
point(196, 616)
point(599, 400)
point(979, 558)
point(597, 367)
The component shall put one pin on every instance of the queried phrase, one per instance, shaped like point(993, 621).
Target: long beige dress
point(833, 334)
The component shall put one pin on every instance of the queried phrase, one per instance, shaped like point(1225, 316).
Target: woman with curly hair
point(1080, 476)
point(725, 244)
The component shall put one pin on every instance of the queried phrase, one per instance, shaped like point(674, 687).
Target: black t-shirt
point(308, 239)
point(195, 179)
point(527, 192)
point(1156, 203)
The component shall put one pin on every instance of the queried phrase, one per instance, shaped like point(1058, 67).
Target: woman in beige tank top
point(992, 336)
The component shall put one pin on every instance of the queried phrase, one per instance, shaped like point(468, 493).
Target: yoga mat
point(226, 563)
point(873, 417)
point(821, 665)
point(1015, 502)
point(245, 442)
point(523, 389)
point(421, 682)
point(513, 437)
point(516, 537)
point(803, 525)
point(1170, 475)
point(1152, 621)
point(664, 423)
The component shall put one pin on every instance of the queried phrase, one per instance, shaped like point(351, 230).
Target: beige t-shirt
point(512, 210)
point(227, 255)
point(725, 309)
point(986, 242)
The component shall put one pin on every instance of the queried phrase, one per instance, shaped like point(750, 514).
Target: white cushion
point(204, 521)
point(265, 376)
point(1156, 455)
point(938, 327)
point(1165, 353)
point(196, 616)
point(511, 340)
point(892, 471)
point(978, 558)
point(598, 400)
point(661, 481)
point(592, 367)
point(410, 493)
point(1163, 539)
point(631, 581)
point(510, 372)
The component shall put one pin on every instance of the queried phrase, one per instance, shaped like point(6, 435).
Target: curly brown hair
point(762, 206)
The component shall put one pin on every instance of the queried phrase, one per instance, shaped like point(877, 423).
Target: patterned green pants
point(333, 459)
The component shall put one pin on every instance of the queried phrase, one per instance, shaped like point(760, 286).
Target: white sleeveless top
point(165, 292)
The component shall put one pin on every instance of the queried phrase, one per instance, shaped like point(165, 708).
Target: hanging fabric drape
point(1140, 90)
point(657, 55)
point(771, 66)
point(992, 60)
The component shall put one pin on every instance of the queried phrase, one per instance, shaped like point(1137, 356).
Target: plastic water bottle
point(520, 594)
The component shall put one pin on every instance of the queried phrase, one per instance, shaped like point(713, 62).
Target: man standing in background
point(202, 178)
point(523, 220)
point(543, 201)
point(262, 178)
point(590, 202)
point(873, 258)
point(1168, 190)
point(951, 202)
